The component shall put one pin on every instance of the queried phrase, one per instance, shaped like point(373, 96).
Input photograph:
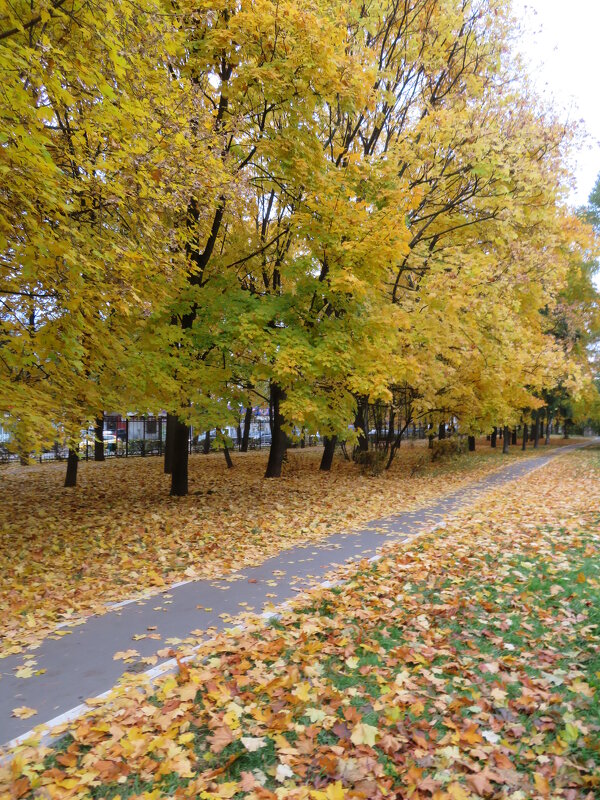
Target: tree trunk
point(169, 434)
point(328, 451)
point(99, 438)
point(246, 433)
point(548, 426)
point(278, 437)
point(524, 436)
point(396, 444)
point(493, 437)
point(179, 474)
point(442, 430)
point(72, 462)
point(505, 439)
point(361, 426)
point(536, 431)
point(239, 436)
point(514, 436)
point(471, 444)
point(431, 437)
point(206, 445)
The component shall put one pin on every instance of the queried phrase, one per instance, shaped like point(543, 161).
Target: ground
point(463, 664)
point(65, 553)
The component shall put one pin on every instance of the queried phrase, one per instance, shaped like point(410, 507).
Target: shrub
point(372, 462)
point(443, 448)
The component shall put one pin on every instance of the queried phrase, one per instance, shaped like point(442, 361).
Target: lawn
point(67, 553)
point(463, 664)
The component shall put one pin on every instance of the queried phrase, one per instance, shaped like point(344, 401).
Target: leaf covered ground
point(66, 553)
point(463, 664)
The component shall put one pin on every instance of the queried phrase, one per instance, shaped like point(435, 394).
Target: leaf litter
point(67, 553)
point(463, 664)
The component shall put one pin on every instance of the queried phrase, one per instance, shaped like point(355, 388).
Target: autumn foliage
point(463, 664)
point(316, 206)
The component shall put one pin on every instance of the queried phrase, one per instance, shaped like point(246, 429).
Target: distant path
point(80, 665)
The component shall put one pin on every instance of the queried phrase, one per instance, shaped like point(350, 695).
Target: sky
point(561, 43)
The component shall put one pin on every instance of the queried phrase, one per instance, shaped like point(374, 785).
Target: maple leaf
point(334, 791)
point(23, 712)
point(253, 743)
point(480, 783)
point(247, 781)
point(364, 734)
point(283, 772)
point(541, 783)
point(220, 738)
point(125, 654)
point(457, 792)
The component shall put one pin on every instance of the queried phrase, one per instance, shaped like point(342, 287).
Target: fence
point(131, 435)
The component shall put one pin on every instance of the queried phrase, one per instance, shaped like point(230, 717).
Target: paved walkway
point(80, 665)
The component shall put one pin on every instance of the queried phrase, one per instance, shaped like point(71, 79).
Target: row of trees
point(319, 206)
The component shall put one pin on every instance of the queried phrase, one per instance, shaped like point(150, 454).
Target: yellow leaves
point(334, 791)
point(457, 792)
point(364, 734)
point(253, 686)
point(125, 655)
point(582, 687)
point(120, 560)
point(541, 784)
point(570, 733)
point(303, 692)
point(23, 712)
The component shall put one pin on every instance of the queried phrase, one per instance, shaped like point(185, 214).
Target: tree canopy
point(315, 206)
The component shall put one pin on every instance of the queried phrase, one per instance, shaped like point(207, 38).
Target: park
point(299, 407)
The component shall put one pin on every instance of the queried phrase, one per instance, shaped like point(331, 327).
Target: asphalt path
point(80, 664)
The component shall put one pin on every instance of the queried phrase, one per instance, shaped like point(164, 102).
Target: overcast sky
point(561, 41)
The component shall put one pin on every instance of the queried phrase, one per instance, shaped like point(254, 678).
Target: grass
point(464, 664)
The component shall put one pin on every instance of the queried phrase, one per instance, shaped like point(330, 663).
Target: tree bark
point(548, 426)
point(246, 433)
point(493, 437)
point(179, 474)
point(278, 438)
point(99, 438)
point(361, 424)
point(536, 431)
point(396, 444)
point(206, 445)
point(505, 439)
point(442, 430)
point(514, 436)
point(72, 462)
point(524, 436)
point(169, 434)
point(328, 451)
point(471, 444)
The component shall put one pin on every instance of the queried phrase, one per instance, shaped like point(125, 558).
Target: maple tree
point(334, 209)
